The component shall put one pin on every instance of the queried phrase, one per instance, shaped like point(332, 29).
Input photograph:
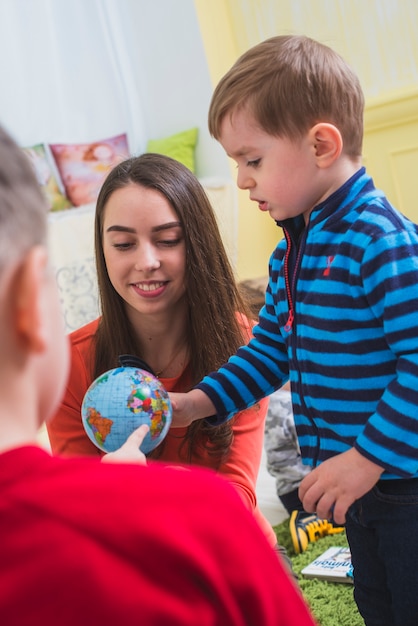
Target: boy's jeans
point(382, 530)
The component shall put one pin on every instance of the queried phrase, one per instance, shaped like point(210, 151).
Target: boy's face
point(280, 174)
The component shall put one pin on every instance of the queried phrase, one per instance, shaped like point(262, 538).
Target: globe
point(119, 401)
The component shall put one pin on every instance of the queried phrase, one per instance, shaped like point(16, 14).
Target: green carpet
point(332, 604)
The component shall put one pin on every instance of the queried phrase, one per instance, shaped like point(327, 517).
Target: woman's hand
point(129, 452)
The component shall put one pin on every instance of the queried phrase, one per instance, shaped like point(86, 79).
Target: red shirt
point(83, 542)
point(68, 437)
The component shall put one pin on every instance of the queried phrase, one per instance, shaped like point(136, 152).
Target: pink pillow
point(83, 167)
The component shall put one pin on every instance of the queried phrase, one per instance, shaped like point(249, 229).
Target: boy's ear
point(29, 286)
point(327, 143)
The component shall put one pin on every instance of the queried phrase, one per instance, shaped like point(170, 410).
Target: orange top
point(68, 437)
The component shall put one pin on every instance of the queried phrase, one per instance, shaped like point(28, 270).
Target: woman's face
point(144, 250)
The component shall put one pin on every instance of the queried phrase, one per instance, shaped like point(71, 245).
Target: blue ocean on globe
point(119, 401)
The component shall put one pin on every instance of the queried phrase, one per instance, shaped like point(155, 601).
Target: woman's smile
point(150, 289)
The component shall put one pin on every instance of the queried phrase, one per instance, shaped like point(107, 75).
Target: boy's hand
point(191, 406)
point(332, 487)
point(129, 452)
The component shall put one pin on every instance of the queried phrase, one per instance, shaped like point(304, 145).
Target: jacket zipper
point(290, 285)
point(290, 318)
point(290, 288)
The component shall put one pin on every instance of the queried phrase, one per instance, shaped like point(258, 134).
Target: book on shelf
point(333, 565)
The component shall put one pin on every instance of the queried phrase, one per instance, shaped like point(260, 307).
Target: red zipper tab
point(289, 323)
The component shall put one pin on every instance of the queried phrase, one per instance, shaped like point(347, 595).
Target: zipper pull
point(289, 323)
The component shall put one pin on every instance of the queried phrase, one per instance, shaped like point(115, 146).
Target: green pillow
point(180, 147)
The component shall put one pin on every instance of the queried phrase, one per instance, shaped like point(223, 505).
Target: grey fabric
point(281, 444)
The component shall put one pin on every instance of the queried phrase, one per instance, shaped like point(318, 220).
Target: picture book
point(333, 565)
point(40, 161)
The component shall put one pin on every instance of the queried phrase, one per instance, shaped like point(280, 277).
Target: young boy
point(341, 309)
point(89, 543)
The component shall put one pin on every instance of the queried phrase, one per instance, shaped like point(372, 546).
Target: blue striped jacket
point(341, 321)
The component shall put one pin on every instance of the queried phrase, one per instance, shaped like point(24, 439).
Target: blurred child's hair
point(23, 208)
point(254, 291)
point(288, 84)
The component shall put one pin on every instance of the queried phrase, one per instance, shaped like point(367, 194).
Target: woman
point(168, 295)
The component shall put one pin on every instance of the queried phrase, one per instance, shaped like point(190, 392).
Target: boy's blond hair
point(23, 208)
point(289, 84)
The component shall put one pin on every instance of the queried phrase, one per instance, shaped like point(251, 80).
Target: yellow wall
point(379, 38)
point(257, 232)
point(391, 148)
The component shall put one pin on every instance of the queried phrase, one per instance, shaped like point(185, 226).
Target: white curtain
point(69, 71)
point(78, 71)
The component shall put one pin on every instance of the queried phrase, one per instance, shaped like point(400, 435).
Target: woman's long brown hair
point(214, 332)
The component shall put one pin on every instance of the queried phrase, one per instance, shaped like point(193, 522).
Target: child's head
point(34, 351)
point(22, 207)
point(254, 290)
point(288, 84)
